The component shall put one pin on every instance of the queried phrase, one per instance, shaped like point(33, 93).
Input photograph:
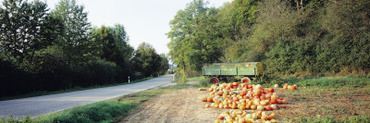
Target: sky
point(144, 20)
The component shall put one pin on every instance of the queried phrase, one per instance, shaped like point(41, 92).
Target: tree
point(146, 61)
point(75, 35)
point(164, 64)
point(110, 43)
point(123, 49)
point(194, 37)
point(26, 28)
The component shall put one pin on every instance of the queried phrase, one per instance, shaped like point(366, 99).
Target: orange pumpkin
point(204, 99)
point(272, 116)
point(221, 117)
point(235, 84)
point(209, 99)
point(267, 108)
point(283, 101)
point(285, 86)
point(273, 101)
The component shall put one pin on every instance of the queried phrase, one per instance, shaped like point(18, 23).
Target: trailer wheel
point(246, 80)
point(214, 80)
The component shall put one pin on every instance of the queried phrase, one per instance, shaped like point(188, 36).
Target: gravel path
point(39, 105)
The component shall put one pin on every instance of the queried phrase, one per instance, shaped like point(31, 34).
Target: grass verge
point(327, 100)
point(105, 111)
point(203, 81)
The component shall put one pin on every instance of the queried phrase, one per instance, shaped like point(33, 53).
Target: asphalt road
point(39, 105)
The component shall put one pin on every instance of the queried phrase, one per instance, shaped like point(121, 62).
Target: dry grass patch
point(337, 103)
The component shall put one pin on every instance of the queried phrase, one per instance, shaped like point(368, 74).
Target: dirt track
point(177, 107)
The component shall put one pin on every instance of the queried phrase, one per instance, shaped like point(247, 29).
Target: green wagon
point(245, 70)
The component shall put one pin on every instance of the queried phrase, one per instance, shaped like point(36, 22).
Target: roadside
point(36, 106)
point(108, 110)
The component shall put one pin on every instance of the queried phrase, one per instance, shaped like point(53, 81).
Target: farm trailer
point(222, 71)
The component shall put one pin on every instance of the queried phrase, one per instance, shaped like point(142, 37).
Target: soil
point(326, 102)
point(186, 106)
point(177, 107)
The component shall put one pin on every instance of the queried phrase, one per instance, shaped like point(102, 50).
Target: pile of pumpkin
point(243, 96)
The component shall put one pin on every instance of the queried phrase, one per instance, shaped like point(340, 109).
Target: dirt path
point(177, 107)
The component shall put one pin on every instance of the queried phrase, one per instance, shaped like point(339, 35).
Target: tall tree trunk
point(301, 3)
point(297, 5)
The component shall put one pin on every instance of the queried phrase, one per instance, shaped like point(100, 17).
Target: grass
point(327, 100)
point(203, 81)
point(39, 93)
point(105, 111)
point(319, 119)
point(349, 82)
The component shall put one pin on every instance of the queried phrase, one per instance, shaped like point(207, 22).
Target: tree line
point(46, 50)
point(291, 37)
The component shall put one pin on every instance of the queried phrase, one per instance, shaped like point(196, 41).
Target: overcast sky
point(144, 20)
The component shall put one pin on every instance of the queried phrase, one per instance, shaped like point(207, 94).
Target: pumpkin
point(283, 101)
point(274, 106)
point(242, 120)
point(272, 116)
point(253, 107)
point(264, 116)
point(267, 108)
point(273, 101)
point(270, 90)
point(285, 86)
point(221, 117)
point(209, 99)
point(204, 99)
point(260, 108)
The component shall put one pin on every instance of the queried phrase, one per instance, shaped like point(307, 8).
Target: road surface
point(39, 105)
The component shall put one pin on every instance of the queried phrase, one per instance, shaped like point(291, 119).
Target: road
point(39, 105)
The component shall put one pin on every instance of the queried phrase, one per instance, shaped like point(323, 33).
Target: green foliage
point(99, 112)
point(164, 66)
point(193, 37)
point(27, 119)
point(74, 37)
point(292, 37)
point(10, 119)
point(147, 62)
point(26, 27)
point(101, 71)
